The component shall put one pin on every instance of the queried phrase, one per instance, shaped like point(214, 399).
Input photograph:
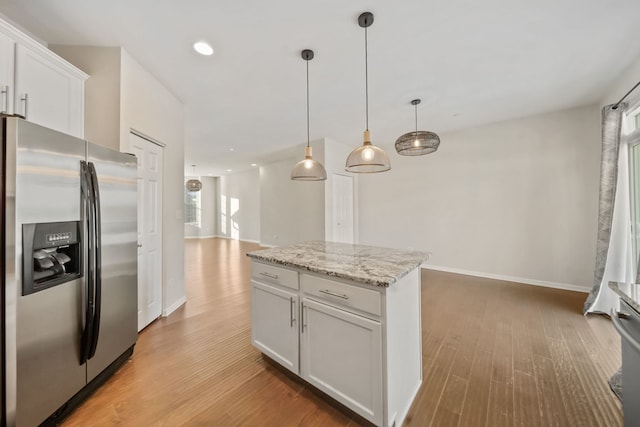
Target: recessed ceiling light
point(231, 149)
point(229, 170)
point(254, 164)
point(203, 48)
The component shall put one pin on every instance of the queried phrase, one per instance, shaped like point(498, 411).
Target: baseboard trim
point(199, 237)
point(242, 240)
point(523, 280)
point(173, 307)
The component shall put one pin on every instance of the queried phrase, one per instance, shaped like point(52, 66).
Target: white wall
point(208, 209)
point(102, 90)
point(516, 199)
point(239, 206)
point(290, 211)
point(148, 107)
point(623, 83)
point(121, 95)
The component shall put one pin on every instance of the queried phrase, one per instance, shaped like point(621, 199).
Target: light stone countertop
point(629, 292)
point(363, 264)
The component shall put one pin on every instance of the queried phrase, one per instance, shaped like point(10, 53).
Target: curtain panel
point(613, 247)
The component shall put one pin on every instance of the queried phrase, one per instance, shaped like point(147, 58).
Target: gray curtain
point(611, 128)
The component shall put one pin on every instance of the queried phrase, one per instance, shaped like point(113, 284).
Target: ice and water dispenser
point(52, 255)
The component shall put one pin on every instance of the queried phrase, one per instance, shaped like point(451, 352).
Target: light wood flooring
point(494, 354)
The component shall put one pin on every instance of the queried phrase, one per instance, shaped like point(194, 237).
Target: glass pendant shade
point(308, 169)
point(367, 158)
point(418, 142)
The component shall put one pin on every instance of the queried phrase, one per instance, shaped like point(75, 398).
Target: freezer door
point(117, 187)
point(48, 323)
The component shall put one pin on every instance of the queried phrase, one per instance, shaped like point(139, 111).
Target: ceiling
point(470, 62)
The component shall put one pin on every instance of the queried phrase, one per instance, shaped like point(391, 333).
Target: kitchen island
point(626, 320)
point(346, 319)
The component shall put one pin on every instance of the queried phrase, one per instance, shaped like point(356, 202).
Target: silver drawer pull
point(272, 276)
point(333, 294)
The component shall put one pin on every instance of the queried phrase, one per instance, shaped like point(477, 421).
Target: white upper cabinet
point(39, 85)
point(7, 53)
point(47, 94)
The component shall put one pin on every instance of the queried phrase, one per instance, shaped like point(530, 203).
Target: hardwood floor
point(494, 354)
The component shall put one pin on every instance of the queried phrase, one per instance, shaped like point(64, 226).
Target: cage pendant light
point(367, 158)
point(308, 169)
point(418, 142)
point(194, 185)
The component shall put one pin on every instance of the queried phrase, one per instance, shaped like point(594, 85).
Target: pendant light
point(194, 185)
point(418, 142)
point(308, 169)
point(367, 158)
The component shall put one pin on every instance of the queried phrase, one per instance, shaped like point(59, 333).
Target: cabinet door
point(274, 326)
point(341, 354)
point(46, 93)
point(7, 55)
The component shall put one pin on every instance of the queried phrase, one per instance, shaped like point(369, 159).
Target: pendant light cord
point(366, 76)
point(416, 109)
point(307, 103)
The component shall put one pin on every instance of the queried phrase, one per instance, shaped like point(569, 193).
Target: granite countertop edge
point(362, 264)
point(633, 302)
point(381, 282)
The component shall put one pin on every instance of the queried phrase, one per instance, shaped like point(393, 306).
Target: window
point(631, 132)
point(192, 207)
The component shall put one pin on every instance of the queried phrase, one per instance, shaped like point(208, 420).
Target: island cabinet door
point(274, 324)
point(341, 354)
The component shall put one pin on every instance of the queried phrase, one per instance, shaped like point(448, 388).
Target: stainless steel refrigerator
point(69, 269)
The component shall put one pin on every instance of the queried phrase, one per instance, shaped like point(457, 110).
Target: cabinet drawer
point(348, 295)
point(277, 275)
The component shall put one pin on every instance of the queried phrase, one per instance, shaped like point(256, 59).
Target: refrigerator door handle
point(97, 242)
point(87, 215)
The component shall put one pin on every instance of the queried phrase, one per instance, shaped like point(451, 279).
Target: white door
point(274, 325)
point(341, 354)
point(343, 208)
point(149, 156)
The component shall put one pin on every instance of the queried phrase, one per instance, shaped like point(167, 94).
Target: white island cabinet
point(346, 319)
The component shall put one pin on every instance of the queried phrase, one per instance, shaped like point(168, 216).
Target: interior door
point(343, 226)
point(149, 179)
